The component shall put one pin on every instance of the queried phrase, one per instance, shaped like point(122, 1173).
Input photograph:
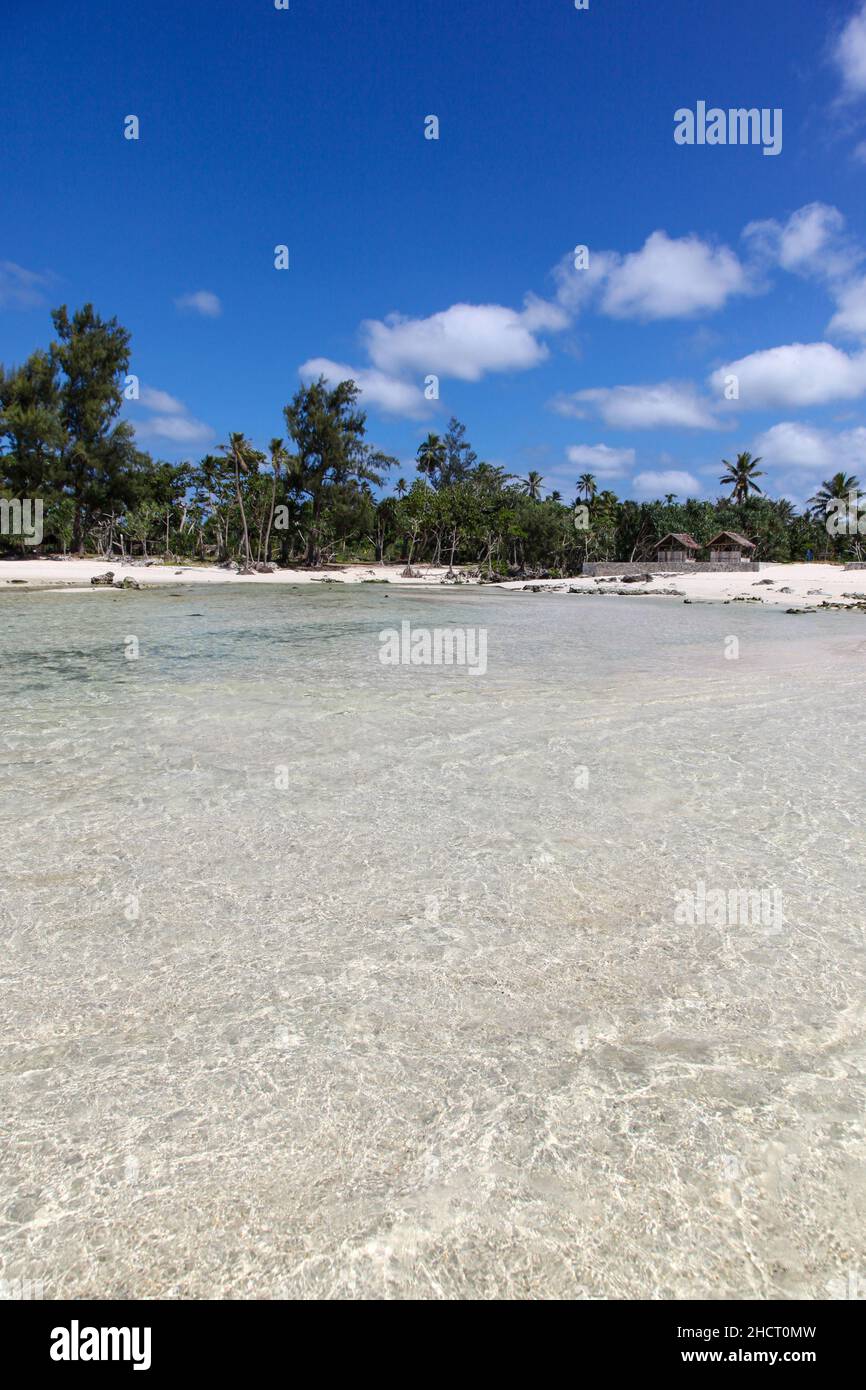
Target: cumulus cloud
point(670, 403)
point(20, 288)
point(849, 319)
point(660, 484)
point(811, 241)
point(389, 393)
point(203, 302)
point(466, 341)
point(171, 421)
point(576, 288)
point(601, 459)
point(798, 374)
point(792, 444)
point(849, 54)
point(671, 278)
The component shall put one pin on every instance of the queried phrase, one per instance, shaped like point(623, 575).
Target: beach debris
point(636, 579)
point(763, 581)
point(786, 591)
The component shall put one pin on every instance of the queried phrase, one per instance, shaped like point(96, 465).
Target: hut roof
point(733, 536)
point(681, 537)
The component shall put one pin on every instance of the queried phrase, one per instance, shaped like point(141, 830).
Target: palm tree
point(401, 488)
point(670, 498)
point(587, 485)
point(532, 486)
point(238, 450)
point(833, 489)
point(278, 454)
point(741, 476)
point(556, 496)
point(431, 456)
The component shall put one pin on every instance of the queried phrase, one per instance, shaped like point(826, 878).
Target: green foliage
point(317, 497)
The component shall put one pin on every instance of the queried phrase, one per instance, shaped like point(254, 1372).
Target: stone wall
point(606, 567)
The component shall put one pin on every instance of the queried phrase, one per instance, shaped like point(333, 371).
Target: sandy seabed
point(322, 978)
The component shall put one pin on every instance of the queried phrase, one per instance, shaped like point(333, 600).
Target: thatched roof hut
point(730, 548)
point(675, 548)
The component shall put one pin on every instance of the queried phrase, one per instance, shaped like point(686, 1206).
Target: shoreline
point(799, 586)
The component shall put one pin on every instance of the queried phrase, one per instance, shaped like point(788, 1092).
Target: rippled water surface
point(327, 978)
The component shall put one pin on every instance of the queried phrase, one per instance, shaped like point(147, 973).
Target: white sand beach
point(790, 586)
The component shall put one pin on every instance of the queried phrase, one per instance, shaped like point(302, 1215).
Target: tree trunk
point(271, 517)
point(247, 552)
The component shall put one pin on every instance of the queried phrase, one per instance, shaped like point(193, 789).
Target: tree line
point(317, 494)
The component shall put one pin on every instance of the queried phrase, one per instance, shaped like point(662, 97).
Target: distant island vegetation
point(318, 494)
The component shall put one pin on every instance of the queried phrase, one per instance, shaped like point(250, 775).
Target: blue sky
point(454, 257)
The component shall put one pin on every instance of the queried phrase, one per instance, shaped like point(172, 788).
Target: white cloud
point(540, 315)
point(798, 374)
point(377, 388)
point(849, 54)
point(668, 278)
point(465, 341)
point(161, 401)
point(794, 445)
point(171, 421)
point(810, 242)
point(673, 278)
point(850, 316)
point(669, 403)
point(203, 302)
point(20, 288)
point(181, 429)
point(575, 288)
point(602, 460)
point(651, 484)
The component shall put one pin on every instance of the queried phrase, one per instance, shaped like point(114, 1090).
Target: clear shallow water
point(422, 1022)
